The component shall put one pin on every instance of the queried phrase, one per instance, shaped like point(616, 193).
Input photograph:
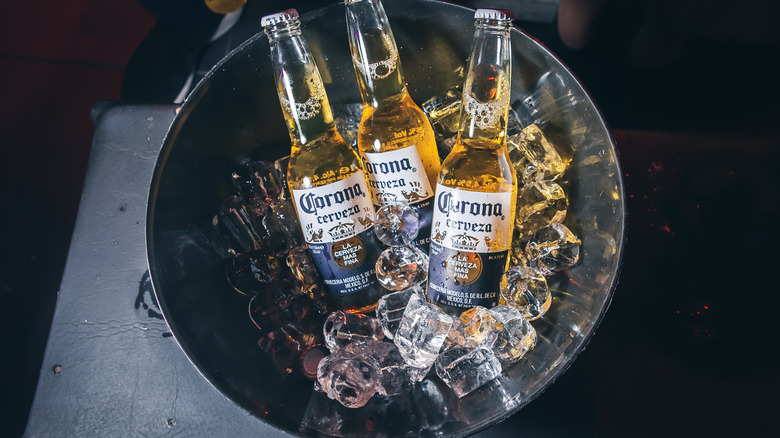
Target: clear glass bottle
point(395, 138)
point(325, 175)
point(476, 192)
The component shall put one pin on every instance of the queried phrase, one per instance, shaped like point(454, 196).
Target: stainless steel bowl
point(233, 116)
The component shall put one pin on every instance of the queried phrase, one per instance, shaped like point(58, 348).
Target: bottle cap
point(279, 17)
point(494, 14)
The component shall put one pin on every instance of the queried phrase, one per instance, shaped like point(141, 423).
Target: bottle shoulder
point(322, 160)
point(394, 126)
point(481, 170)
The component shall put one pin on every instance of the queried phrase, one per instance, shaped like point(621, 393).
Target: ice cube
point(476, 326)
point(421, 332)
point(465, 369)
point(390, 308)
point(302, 267)
point(341, 328)
point(400, 267)
point(282, 228)
point(539, 204)
point(553, 248)
point(516, 338)
point(256, 203)
point(443, 112)
point(236, 227)
point(525, 288)
point(395, 375)
point(264, 179)
point(347, 379)
point(533, 157)
point(396, 223)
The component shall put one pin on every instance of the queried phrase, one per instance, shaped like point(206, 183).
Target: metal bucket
point(233, 116)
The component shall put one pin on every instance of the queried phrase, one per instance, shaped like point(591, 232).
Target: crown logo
point(386, 198)
point(462, 241)
point(342, 231)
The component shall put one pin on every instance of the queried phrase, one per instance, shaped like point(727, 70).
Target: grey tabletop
point(111, 366)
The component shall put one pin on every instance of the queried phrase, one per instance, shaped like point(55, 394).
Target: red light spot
point(666, 228)
point(658, 167)
point(706, 307)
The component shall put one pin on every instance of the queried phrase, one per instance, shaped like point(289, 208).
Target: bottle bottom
point(360, 302)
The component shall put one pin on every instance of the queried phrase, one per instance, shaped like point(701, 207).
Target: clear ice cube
point(465, 369)
point(516, 338)
point(539, 204)
point(553, 249)
point(525, 288)
point(395, 376)
point(236, 227)
point(533, 157)
point(396, 223)
point(256, 203)
point(264, 179)
point(347, 378)
point(282, 228)
point(476, 326)
point(421, 332)
point(302, 267)
point(400, 267)
point(443, 112)
point(390, 308)
point(341, 328)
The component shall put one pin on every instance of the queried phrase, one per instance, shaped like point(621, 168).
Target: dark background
point(689, 88)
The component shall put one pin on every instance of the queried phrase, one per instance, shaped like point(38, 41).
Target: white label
point(472, 221)
point(397, 175)
point(335, 211)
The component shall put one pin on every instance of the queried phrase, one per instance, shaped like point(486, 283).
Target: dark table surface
point(686, 348)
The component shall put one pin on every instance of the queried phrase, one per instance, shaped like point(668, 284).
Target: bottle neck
point(299, 85)
point(487, 89)
point(374, 52)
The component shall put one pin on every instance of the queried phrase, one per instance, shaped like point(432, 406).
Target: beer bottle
point(474, 206)
point(395, 138)
point(325, 175)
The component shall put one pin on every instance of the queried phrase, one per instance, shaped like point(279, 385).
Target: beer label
point(336, 220)
point(470, 241)
point(399, 175)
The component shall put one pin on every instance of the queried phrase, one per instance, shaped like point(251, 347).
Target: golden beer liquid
point(319, 155)
point(391, 120)
point(479, 160)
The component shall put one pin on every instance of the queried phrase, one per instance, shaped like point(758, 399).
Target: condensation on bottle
point(476, 192)
point(325, 176)
point(395, 138)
